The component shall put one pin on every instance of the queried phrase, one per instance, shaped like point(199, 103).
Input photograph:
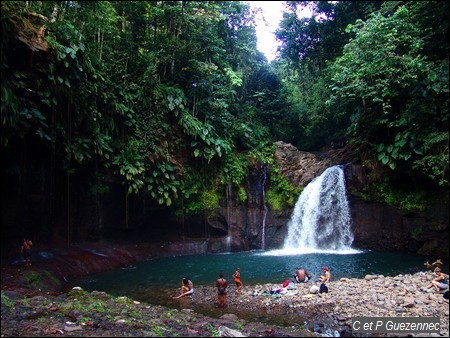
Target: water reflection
point(256, 267)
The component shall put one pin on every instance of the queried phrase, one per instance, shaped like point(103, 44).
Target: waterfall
point(263, 236)
point(228, 243)
point(229, 196)
point(229, 201)
point(321, 219)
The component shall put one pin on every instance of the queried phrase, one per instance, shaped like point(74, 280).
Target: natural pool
point(141, 281)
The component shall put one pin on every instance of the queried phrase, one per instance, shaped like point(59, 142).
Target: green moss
point(275, 200)
point(41, 280)
point(7, 302)
point(242, 195)
point(401, 199)
point(210, 200)
point(214, 331)
point(281, 193)
point(417, 232)
point(32, 280)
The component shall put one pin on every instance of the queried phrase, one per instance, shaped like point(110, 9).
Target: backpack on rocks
point(314, 289)
point(323, 288)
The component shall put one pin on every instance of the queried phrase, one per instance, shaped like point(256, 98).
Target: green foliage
point(206, 144)
point(81, 300)
point(235, 169)
point(209, 200)
point(7, 302)
point(400, 198)
point(234, 79)
point(281, 193)
point(214, 332)
point(130, 163)
point(200, 198)
point(274, 200)
point(263, 154)
point(242, 195)
point(163, 184)
point(158, 330)
point(32, 280)
point(383, 78)
point(435, 161)
point(176, 97)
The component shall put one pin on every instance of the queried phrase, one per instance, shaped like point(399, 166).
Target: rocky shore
point(33, 304)
point(292, 314)
point(332, 312)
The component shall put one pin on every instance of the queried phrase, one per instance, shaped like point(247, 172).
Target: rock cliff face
point(375, 225)
point(235, 226)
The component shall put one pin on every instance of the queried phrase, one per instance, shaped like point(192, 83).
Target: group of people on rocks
point(187, 287)
point(301, 276)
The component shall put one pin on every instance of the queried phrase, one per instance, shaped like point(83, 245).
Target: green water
point(156, 281)
point(256, 267)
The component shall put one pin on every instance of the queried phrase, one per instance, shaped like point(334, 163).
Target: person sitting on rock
point(440, 282)
point(187, 288)
point(302, 276)
point(326, 277)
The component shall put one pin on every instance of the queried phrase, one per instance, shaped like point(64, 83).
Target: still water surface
point(145, 281)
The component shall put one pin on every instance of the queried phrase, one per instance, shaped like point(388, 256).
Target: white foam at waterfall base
point(228, 243)
point(293, 252)
point(321, 221)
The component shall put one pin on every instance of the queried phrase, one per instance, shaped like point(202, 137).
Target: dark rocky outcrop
point(235, 226)
point(375, 225)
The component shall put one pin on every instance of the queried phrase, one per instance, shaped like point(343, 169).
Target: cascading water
point(229, 196)
point(263, 236)
point(228, 243)
point(229, 199)
point(321, 220)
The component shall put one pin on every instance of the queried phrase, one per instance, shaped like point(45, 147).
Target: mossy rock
point(40, 280)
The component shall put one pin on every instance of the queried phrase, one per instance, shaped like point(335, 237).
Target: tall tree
point(397, 96)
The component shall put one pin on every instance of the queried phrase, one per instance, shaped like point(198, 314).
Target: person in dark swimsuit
point(222, 284)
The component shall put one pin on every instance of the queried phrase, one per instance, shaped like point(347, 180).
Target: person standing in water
point(222, 284)
point(237, 279)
